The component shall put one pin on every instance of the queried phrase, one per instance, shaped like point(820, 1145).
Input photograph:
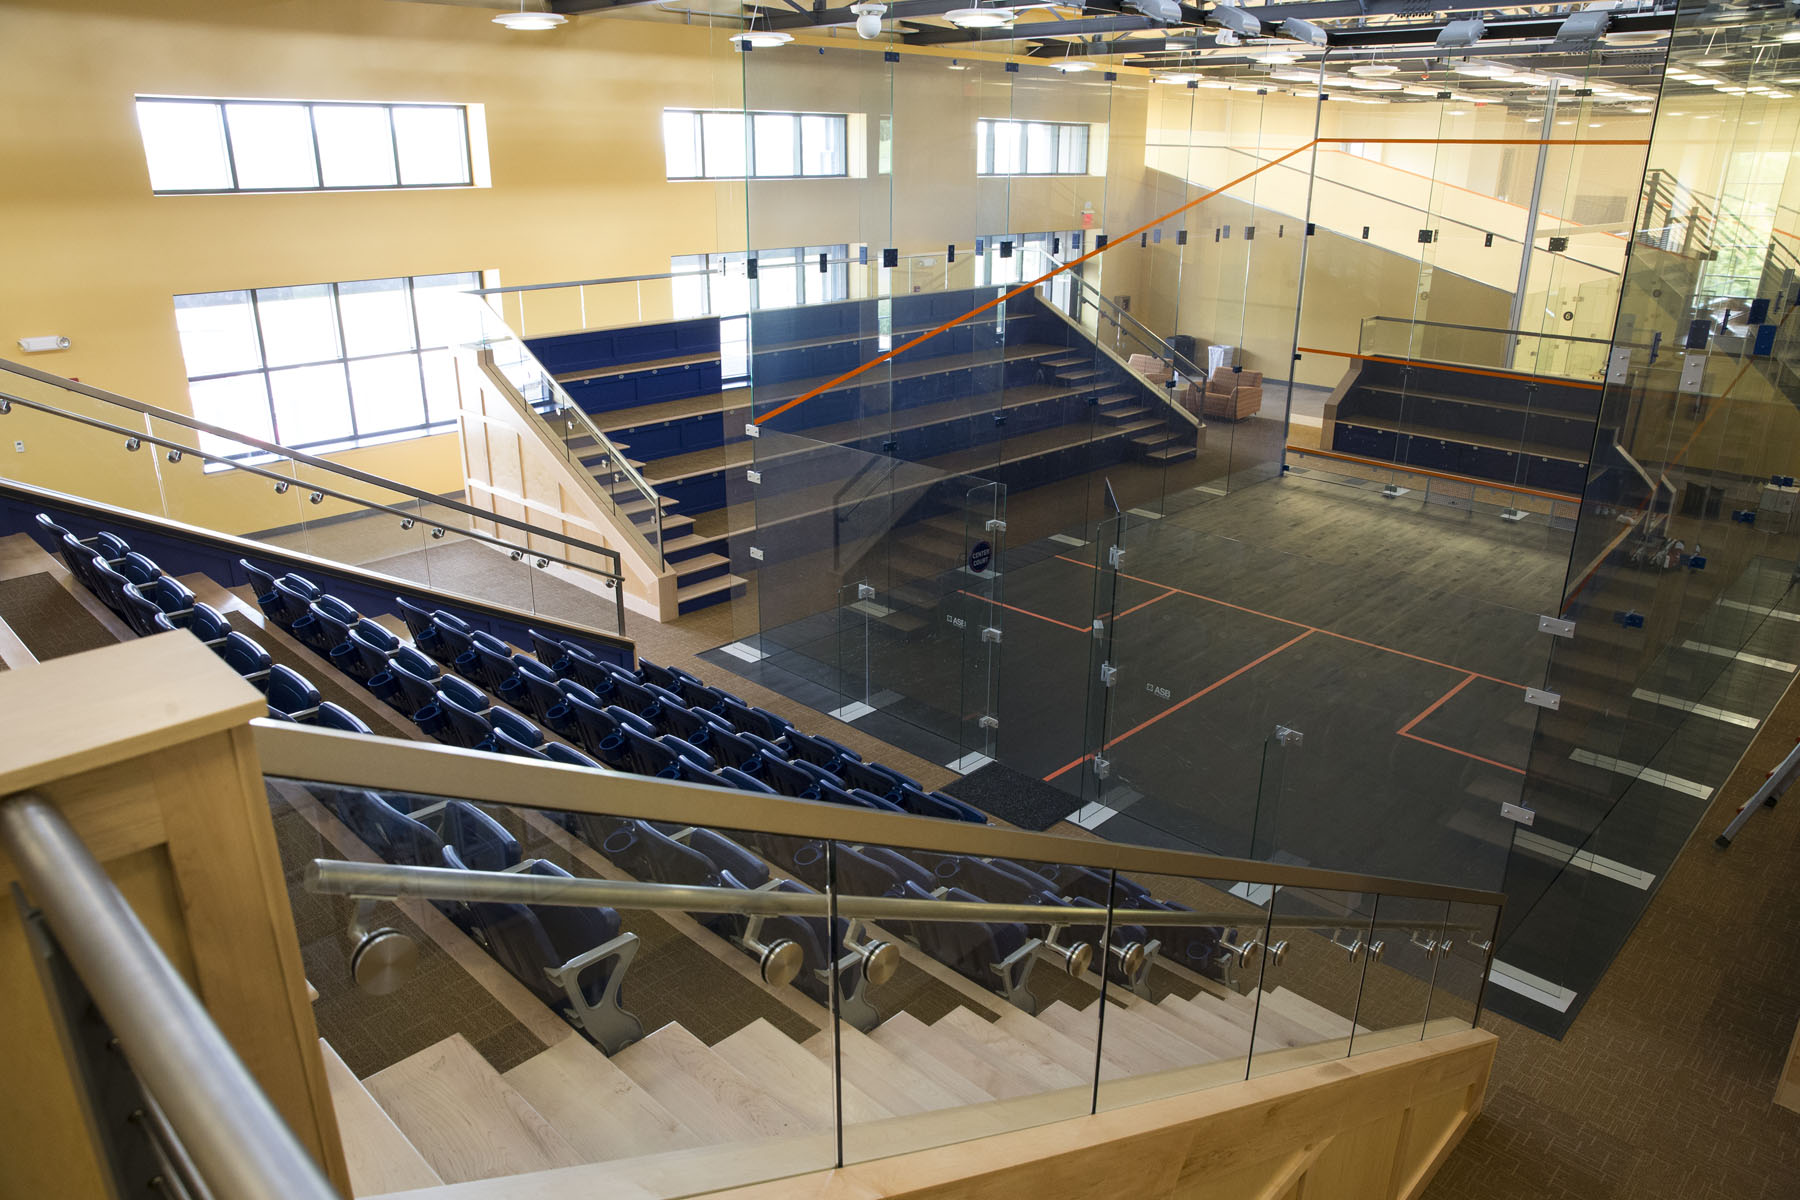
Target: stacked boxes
point(1233, 395)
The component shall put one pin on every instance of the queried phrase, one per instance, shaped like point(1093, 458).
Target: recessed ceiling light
point(1534, 120)
point(1565, 122)
point(1458, 112)
point(1372, 70)
point(1275, 57)
point(761, 39)
point(979, 18)
point(1642, 108)
point(523, 21)
point(1593, 124)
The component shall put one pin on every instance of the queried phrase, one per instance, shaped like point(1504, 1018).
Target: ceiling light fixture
point(979, 18)
point(1374, 70)
point(1295, 76)
point(1305, 31)
point(1710, 62)
point(1275, 58)
point(1178, 79)
point(1371, 85)
point(1581, 30)
point(1459, 34)
point(760, 39)
point(523, 21)
point(1073, 65)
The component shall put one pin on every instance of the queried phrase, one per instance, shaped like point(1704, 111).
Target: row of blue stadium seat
point(642, 732)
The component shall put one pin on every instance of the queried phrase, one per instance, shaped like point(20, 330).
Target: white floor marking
point(1699, 710)
point(969, 762)
point(744, 651)
point(870, 608)
point(1674, 783)
point(851, 711)
point(1145, 513)
point(1582, 860)
point(1066, 540)
point(1258, 894)
point(1551, 995)
point(1211, 491)
point(1760, 608)
point(1092, 816)
point(1755, 660)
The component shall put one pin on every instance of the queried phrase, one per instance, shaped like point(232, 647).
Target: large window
point(761, 145)
point(286, 146)
point(324, 366)
point(1030, 148)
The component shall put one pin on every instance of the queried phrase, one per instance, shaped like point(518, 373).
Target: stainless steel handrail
point(386, 881)
point(280, 451)
point(232, 1132)
point(250, 469)
point(309, 755)
point(1180, 361)
point(1561, 337)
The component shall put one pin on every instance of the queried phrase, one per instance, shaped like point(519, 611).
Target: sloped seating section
point(1536, 434)
point(565, 702)
point(1018, 395)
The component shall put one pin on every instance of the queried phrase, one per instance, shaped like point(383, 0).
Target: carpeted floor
point(1663, 1086)
point(50, 621)
point(1018, 799)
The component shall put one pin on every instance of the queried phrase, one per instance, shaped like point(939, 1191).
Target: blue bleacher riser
point(182, 555)
point(595, 348)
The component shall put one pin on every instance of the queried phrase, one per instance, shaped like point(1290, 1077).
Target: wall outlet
point(18, 447)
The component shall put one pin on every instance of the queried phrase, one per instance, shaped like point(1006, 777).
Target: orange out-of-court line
point(1123, 238)
point(1437, 366)
point(1453, 750)
point(1406, 730)
point(1147, 603)
point(1471, 677)
point(1024, 611)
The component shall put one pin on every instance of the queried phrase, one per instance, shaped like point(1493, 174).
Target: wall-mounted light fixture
point(37, 345)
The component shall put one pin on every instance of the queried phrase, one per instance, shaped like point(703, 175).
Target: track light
point(1158, 10)
point(868, 20)
point(1305, 31)
point(1235, 19)
point(1458, 34)
point(316, 497)
point(174, 456)
point(1581, 30)
point(132, 443)
point(281, 487)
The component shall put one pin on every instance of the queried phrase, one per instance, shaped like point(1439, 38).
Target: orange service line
point(1213, 686)
point(1026, 612)
point(1562, 497)
point(1437, 366)
point(1439, 702)
point(1147, 603)
point(1342, 637)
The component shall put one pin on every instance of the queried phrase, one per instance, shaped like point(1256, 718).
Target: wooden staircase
point(671, 1115)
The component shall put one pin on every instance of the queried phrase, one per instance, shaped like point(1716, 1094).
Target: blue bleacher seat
point(175, 598)
point(688, 772)
point(461, 726)
point(788, 779)
point(402, 688)
point(689, 751)
point(291, 693)
point(481, 842)
point(263, 584)
point(559, 717)
point(506, 743)
point(532, 686)
point(245, 657)
point(390, 833)
point(743, 782)
point(331, 716)
point(487, 661)
point(208, 624)
point(557, 752)
point(649, 756)
point(537, 944)
point(140, 614)
point(517, 728)
point(936, 804)
point(136, 567)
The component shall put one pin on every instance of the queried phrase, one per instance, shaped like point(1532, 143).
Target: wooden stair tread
point(1030, 1067)
point(885, 1077)
point(1207, 1009)
point(595, 1105)
point(1066, 1051)
point(1152, 1043)
point(707, 587)
point(1208, 1041)
point(684, 542)
point(466, 1120)
point(930, 1050)
point(699, 562)
point(767, 1055)
point(704, 1091)
point(1295, 1007)
point(1122, 1056)
point(378, 1154)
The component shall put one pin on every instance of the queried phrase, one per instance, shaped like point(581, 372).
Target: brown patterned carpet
point(1663, 1086)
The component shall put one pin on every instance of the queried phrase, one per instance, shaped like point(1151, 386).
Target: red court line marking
point(1147, 603)
point(1213, 686)
point(1027, 612)
point(1303, 625)
point(1122, 238)
point(1452, 749)
point(1439, 702)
